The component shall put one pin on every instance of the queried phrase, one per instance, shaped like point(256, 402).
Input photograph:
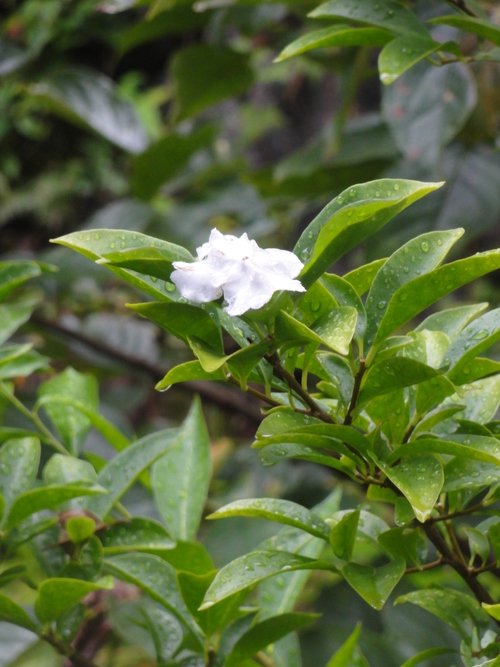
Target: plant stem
point(34, 419)
point(460, 4)
point(262, 659)
point(355, 392)
point(283, 374)
point(64, 649)
point(427, 566)
point(454, 515)
point(255, 392)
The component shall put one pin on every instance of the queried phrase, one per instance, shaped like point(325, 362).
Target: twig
point(217, 394)
point(355, 392)
point(262, 659)
point(68, 651)
point(427, 566)
point(282, 373)
point(454, 515)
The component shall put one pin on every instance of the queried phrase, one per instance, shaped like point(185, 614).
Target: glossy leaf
point(429, 653)
point(182, 320)
point(274, 454)
point(242, 361)
point(451, 321)
point(90, 99)
point(58, 595)
point(335, 35)
point(350, 218)
point(136, 534)
point(264, 633)
point(62, 469)
point(19, 461)
point(420, 480)
point(419, 256)
point(157, 579)
point(181, 477)
point(339, 372)
point(196, 71)
point(10, 612)
point(346, 295)
point(362, 278)
point(404, 52)
point(274, 509)
point(43, 498)
point(343, 535)
point(478, 336)
point(244, 572)
point(374, 584)
point(342, 657)
point(12, 316)
point(459, 610)
point(14, 273)
point(476, 26)
point(188, 556)
point(386, 14)
point(334, 329)
point(387, 376)
point(72, 425)
point(475, 448)
point(191, 370)
point(122, 471)
point(475, 369)
point(165, 630)
point(80, 528)
point(405, 543)
point(414, 297)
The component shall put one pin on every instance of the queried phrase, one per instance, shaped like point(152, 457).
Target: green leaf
point(91, 100)
point(346, 295)
point(334, 329)
point(492, 609)
point(191, 370)
point(362, 278)
point(343, 657)
point(387, 376)
point(459, 610)
point(475, 369)
point(374, 584)
point(475, 448)
point(339, 372)
point(476, 26)
point(58, 595)
point(478, 542)
point(350, 218)
point(281, 420)
point(189, 556)
point(181, 478)
point(14, 273)
point(242, 361)
point(157, 579)
point(426, 655)
point(12, 316)
point(62, 469)
point(274, 454)
point(121, 472)
point(420, 480)
point(451, 321)
point(343, 535)
point(136, 534)
point(417, 295)
point(246, 571)
point(335, 35)
point(481, 399)
point(80, 528)
point(165, 630)
point(44, 498)
point(264, 633)
point(478, 336)
point(10, 353)
point(19, 461)
point(164, 160)
point(183, 321)
point(419, 256)
point(11, 574)
point(204, 75)
point(10, 612)
point(437, 100)
point(386, 14)
point(71, 424)
point(274, 509)
point(404, 52)
point(24, 365)
point(405, 543)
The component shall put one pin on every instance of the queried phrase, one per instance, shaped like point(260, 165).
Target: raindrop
point(424, 246)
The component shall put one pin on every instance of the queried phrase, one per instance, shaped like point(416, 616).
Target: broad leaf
point(426, 655)
point(62, 469)
point(90, 99)
point(14, 273)
point(452, 320)
point(374, 584)
point(342, 657)
point(334, 329)
point(335, 35)
point(10, 612)
point(181, 478)
point(12, 316)
point(385, 14)
point(362, 278)
point(191, 370)
point(478, 336)
point(343, 535)
point(404, 52)
point(19, 461)
point(122, 471)
point(476, 26)
point(58, 595)
point(274, 509)
point(246, 571)
point(137, 534)
point(350, 218)
point(420, 480)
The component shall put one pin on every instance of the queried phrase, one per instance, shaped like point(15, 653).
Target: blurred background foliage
point(170, 117)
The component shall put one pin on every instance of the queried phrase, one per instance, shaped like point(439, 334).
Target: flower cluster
point(237, 268)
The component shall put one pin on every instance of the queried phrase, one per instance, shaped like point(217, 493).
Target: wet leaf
point(374, 584)
point(58, 595)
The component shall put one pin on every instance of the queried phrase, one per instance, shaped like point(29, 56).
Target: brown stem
point(69, 652)
point(355, 392)
point(454, 542)
point(452, 559)
point(215, 393)
point(427, 566)
point(454, 515)
point(281, 372)
point(262, 659)
point(485, 568)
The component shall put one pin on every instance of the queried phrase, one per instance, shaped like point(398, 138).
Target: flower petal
point(195, 281)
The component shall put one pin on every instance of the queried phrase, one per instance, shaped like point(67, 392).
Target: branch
point(64, 649)
point(217, 394)
point(355, 392)
point(427, 566)
point(454, 515)
point(461, 6)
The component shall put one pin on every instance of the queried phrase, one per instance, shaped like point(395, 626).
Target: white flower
point(247, 275)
